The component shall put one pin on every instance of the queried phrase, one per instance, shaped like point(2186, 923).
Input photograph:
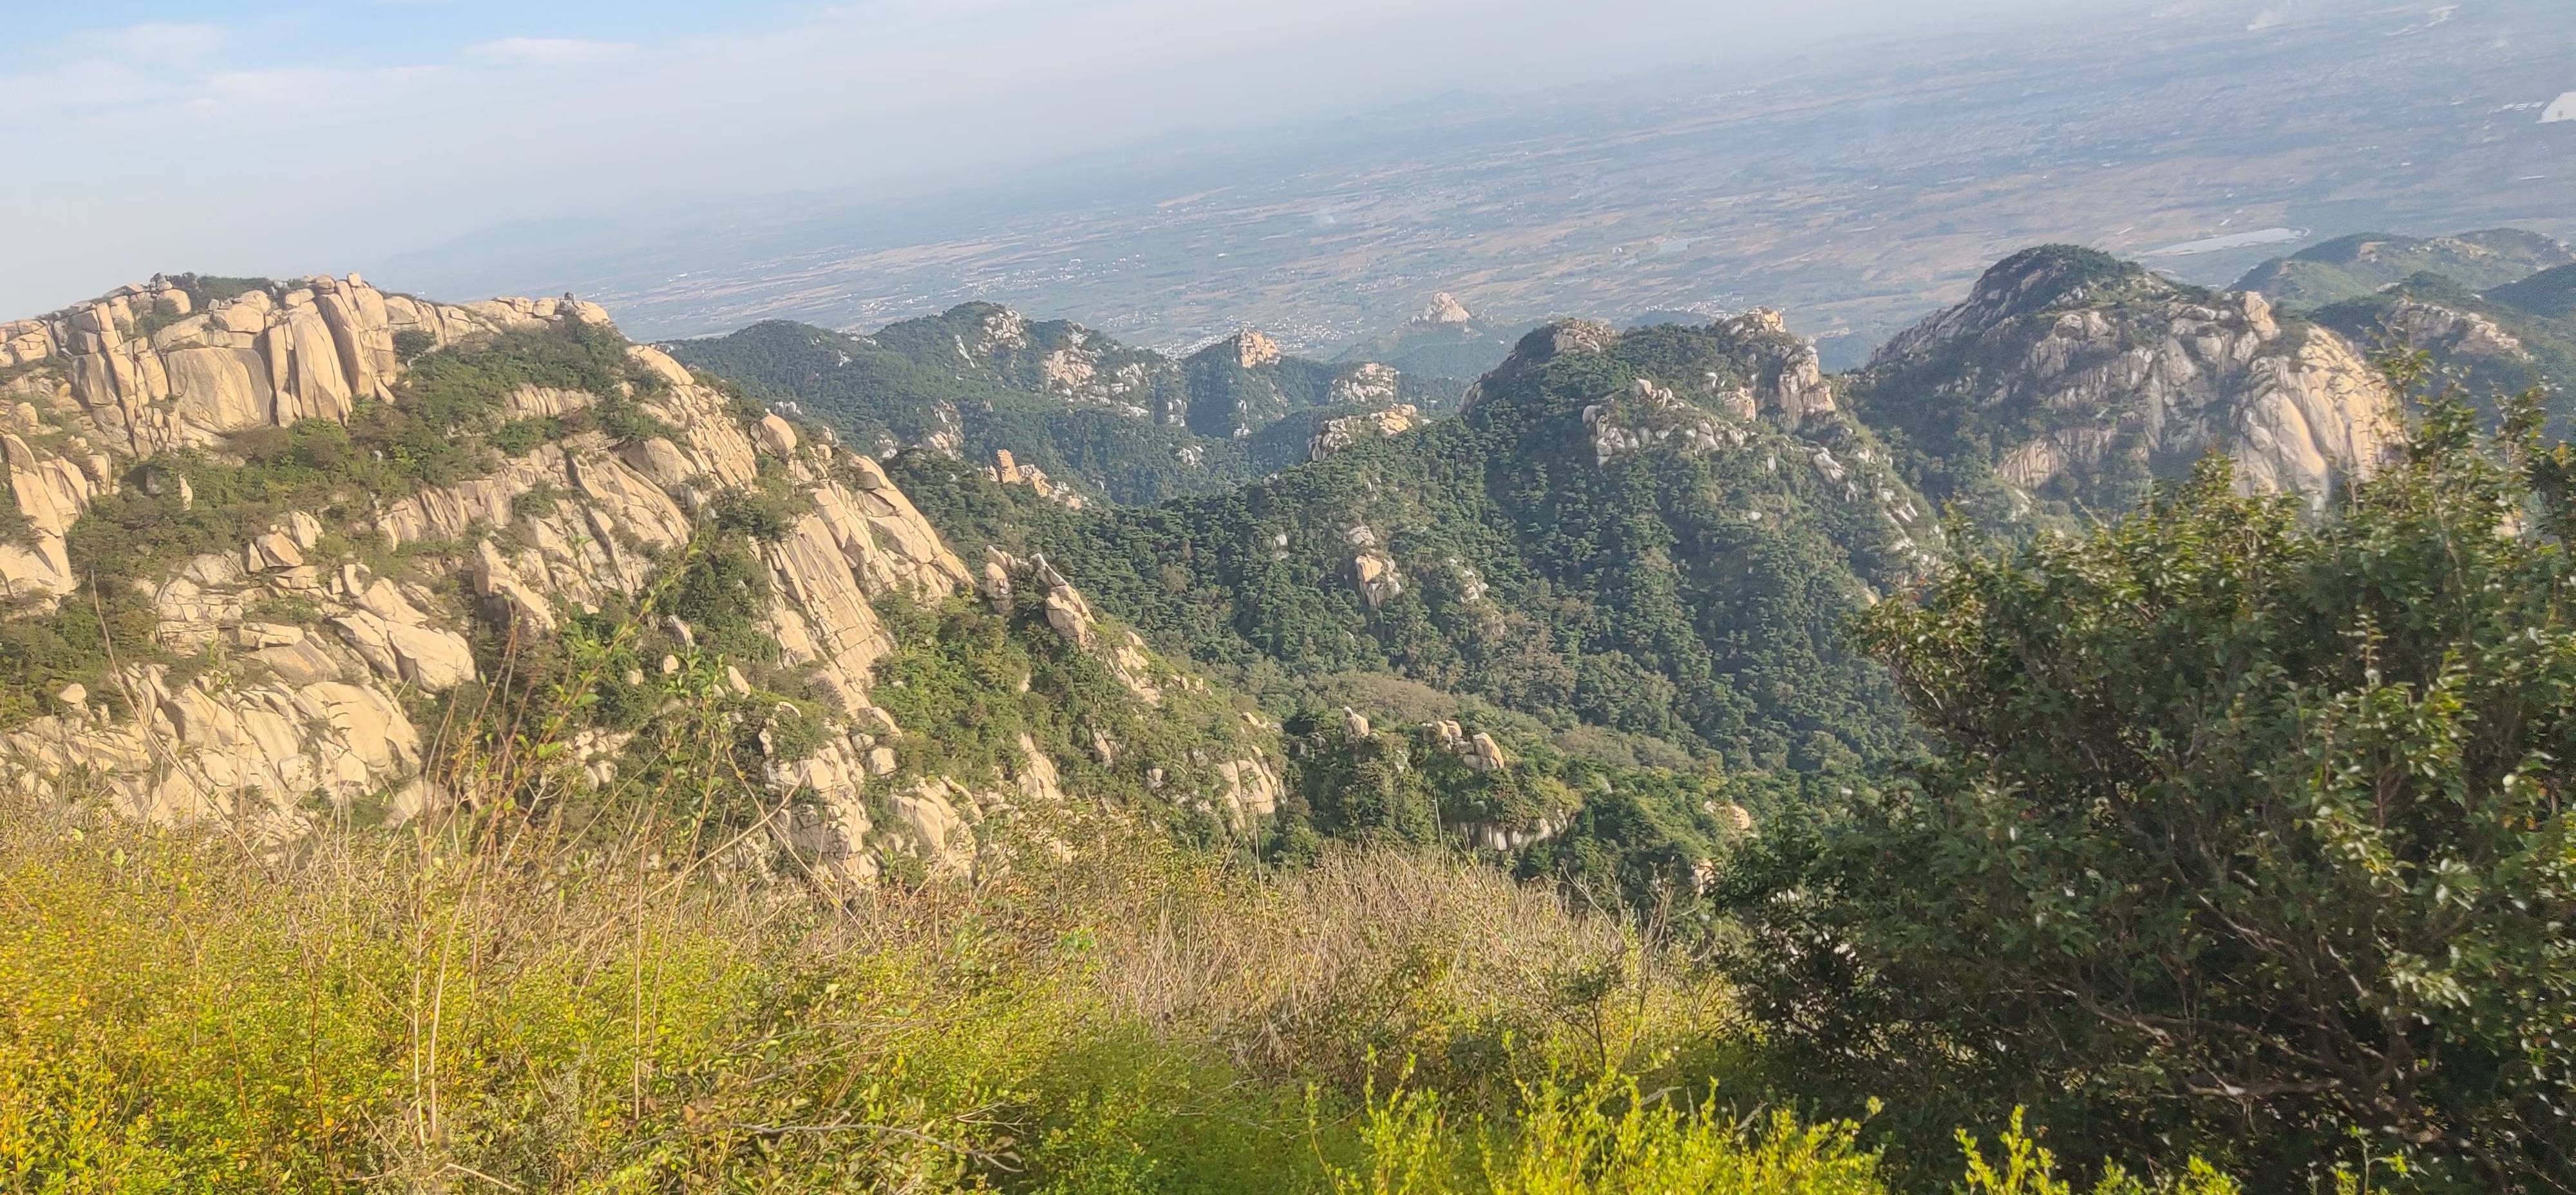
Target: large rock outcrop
point(1333, 435)
point(171, 364)
point(304, 672)
point(160, 368)
point(2077, 377)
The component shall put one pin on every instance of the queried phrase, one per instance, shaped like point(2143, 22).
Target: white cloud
point(357, 91)
point(547, 51)
point(152, 42)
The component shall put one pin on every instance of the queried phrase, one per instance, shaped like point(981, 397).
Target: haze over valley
point(1858, 186)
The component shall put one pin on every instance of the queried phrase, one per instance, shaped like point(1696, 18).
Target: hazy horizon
point(289, 138)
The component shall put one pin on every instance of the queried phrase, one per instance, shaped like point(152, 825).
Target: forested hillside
point(1091, 415)
point(2363, 264)
point(1659, 532)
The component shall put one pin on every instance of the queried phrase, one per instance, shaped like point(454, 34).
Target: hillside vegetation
point(1102, 418)
point(1615, 533)
point(550, 998)
point(2362, 264)
point(493, 756)
point(481, 1008)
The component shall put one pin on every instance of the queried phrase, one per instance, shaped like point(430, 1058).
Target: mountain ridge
point(2070, 380)
point(1114, 421)
point(316, 606)
point(2356, 266)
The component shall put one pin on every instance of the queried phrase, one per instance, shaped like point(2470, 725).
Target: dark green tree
point(2248, 833)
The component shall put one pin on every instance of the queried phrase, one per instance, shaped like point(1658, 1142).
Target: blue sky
point(239, 136)
point(391, 32)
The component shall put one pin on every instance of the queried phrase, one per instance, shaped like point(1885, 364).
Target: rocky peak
point(289, 664)
point(1365, 384)
point(171, 364)
point(2028, 282)
point(995, 328)
point(1543, 344)
point(1249, 349)
point(1761, 321)
point(1007, 469)
point(1334, 435)
point(1787, 380)
point(1558, 338)
point(159, 366)
point(1444, 311)
point(2120, 371)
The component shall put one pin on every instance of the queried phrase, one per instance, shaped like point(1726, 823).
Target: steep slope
point(1445, 341)
point(2508, 340)
point(1658, 532)
point(2356, 266)
point(2549, 294)
point(2069, 380)
point(1089, 413)
point(306, 550)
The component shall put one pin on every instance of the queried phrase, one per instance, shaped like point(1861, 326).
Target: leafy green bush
point(14, 527)
point(1604, 1136)
point(410, 343)
point(2239, 820)
point(210, 289)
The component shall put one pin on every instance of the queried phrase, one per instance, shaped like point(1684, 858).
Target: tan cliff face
point(1443, 310)
point(143, 371)
point(313, 660)
point(2129, 374)
point(1333, 435)
point(144, 365)
point(1253, 349)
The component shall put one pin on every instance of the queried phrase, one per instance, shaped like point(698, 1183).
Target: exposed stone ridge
point(2139, 368)
point(1334, 435)
point(146, 367)
point(2026, 283)
point(1788, 383)
point(316, 659)
point(2428, 325)
point(1444, 311)
point(1006, 469)
point(143, 371)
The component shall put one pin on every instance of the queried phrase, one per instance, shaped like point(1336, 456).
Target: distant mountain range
point(1584, 612)
point(2365, 263)
point(2495, 309)
point(1090, 414)
point(1645, 539)
point(1829, 186)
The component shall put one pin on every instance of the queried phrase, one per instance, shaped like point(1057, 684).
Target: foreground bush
point(2249, 832)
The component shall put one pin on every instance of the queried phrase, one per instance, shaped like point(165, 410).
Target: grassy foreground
point(408, 1011)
